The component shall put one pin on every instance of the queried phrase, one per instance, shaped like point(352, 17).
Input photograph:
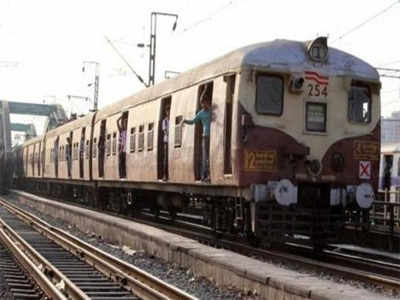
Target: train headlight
point(337, 162)
point(365, 195)
point(318, 49)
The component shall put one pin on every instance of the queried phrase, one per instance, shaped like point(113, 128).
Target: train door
point(26, 161)
point(43, 156)
point(387, 171)
point(230, 90)
point(201, 160)
point(33, 159)
point(69, 153)
point(38, 158)
point(163, 134)
point(102, 139)
point(123, 129)
point(81, 153)
point(55, 156)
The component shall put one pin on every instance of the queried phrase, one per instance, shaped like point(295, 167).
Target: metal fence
point(385, 212)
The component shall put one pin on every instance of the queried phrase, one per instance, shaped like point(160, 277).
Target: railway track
point(14, 282)
point(351, 267)
point(79, 270)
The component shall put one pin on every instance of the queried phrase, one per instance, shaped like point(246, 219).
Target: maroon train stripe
point(316, 77)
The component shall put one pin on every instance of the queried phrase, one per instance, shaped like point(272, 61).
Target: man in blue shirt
point(203, 116)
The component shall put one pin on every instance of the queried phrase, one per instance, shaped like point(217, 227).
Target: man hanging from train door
point(165, 128)
point(204, 116)
point(122, 124)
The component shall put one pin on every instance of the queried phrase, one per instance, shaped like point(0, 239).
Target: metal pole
point(153, 39)
point(96, 82)
point(96, 88)
point(152, 52)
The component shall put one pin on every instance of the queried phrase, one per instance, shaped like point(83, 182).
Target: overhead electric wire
point(209, 17)
point(126, 62)
point(366, 21)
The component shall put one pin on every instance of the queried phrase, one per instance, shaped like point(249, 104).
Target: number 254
point(317, 90)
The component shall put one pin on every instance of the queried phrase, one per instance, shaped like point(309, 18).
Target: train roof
point(72, 125)
point(33, 140)
point(282, 56)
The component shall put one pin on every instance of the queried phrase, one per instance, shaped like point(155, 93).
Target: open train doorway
point(122, 124)
point(39, 160)
point(202, 135)
point(81, 153)
point(163, 138)
point(230, 90)
point(55, 156)
point(69, 154)
point(102, 148)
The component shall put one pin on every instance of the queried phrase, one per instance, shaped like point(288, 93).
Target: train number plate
point(264, 161)
point(365, 150)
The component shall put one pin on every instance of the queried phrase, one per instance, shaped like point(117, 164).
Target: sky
point(43, 43)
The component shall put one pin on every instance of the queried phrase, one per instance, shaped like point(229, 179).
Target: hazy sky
point(50, 39)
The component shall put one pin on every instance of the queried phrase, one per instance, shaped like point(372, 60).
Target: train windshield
point(359, 104)
point(269, 95)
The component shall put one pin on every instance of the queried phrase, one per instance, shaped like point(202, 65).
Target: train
point(294, 145)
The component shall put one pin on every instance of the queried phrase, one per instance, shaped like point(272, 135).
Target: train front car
point(309, 139)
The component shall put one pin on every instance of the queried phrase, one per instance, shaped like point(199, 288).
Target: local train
point(295, 141)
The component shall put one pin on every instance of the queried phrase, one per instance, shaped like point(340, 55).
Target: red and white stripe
point(311, 75)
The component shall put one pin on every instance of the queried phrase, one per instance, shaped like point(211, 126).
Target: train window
point(178, 132)
point(359, 108)
point(132, 141)
point(316, 117)
point(108, 145)
point(94, 147)
point(114, 144)
point(141, 138)
point(150, 135)
point(269, 95)
point(398, 166)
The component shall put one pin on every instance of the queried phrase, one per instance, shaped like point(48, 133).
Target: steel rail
point(139, 282)
point(11, 242)
point(37, 260)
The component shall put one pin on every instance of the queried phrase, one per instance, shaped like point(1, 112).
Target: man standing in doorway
point(203, 116)
point(122, 124)
point(165, 128)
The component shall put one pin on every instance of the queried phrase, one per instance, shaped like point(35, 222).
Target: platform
point(223, 267)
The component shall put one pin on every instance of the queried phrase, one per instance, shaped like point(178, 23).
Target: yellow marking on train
point(264, 161)
point(365, 150)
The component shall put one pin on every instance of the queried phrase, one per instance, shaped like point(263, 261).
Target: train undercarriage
point(263, 223)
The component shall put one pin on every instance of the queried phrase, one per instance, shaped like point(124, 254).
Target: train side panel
point(142, 164)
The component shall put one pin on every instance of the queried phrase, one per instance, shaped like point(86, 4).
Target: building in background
point(390, 128)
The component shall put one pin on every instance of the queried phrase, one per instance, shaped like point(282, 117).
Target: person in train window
point(122, 124)
point(165, 128)
point(203, 116)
